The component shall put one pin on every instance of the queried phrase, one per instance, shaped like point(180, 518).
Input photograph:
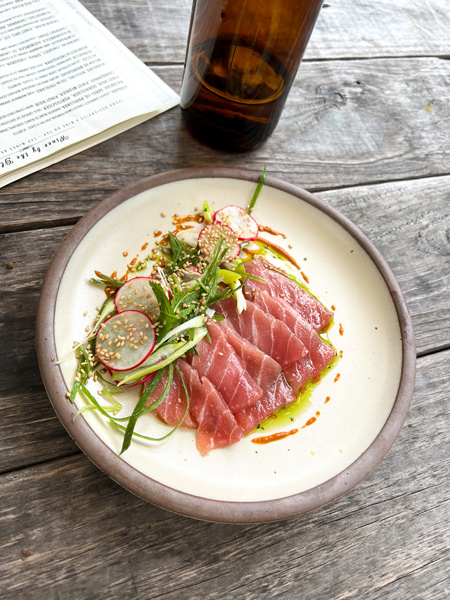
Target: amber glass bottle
point(241, 59)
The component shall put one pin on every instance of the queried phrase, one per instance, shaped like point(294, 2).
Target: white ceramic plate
point(244, 482)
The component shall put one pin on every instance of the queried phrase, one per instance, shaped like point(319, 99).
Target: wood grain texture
point(409, 222)
point(30, 431)
point(346, 123)
point(70, 532)
point(157, 31)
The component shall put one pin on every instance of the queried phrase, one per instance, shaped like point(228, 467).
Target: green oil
point(288, 415)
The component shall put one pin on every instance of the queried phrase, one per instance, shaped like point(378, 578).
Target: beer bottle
point(241, 60)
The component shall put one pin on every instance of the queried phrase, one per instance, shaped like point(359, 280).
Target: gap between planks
point(157, 64)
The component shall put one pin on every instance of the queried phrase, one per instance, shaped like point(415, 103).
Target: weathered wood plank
point(345, 123)
point(30, 254)
point(157, 31)
point(30, 431)
point(70, 532)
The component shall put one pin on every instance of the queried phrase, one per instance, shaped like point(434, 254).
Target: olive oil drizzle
point(287, 415)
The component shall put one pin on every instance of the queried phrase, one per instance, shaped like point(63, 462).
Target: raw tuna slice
point(261, 367)
point(282, 395)
point(320, 354)
point(299, 373)
point(264, 331)
point(280, 286)
point(171, 410)
point(221, 365)
point(217, 427)
point(267, 374)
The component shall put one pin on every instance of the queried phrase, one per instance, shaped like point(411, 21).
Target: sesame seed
point(85, 313)
point(125, 253)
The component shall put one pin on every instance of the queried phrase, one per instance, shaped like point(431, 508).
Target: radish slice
point(137, 294)
point(188, 237)
point(125, 340)
point(244, 226)
point(190, 273)
point(210, 235)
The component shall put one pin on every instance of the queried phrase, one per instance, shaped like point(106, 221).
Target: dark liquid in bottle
point(233, 93)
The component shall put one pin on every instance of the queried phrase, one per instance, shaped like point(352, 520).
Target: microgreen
point(105, 280)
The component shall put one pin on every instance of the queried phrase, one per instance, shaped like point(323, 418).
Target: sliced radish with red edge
point(209, 236)
point(137, 294)
point(243, 225)
point(125, 340)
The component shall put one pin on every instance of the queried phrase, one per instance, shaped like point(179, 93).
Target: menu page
point(66, 83)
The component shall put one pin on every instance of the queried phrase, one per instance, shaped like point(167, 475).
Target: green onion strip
point(257, 191)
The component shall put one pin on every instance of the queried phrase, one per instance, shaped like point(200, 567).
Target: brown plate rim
point(181, 502)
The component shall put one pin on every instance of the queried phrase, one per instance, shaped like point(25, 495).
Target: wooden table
point(366, 127)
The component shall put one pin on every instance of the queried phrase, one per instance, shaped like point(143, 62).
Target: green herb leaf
point(105, 280)
point(163, 396)
point(138, 410)
point(167, 317)
point(176, 246)
point(74, 391)
point(145, 437)
point(257, 191)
